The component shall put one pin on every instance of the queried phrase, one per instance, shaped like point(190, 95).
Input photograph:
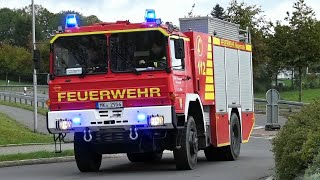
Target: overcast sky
point(167, 10)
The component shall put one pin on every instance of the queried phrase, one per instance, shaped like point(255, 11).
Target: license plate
point(110, 105)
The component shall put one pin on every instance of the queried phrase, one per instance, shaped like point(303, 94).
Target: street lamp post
point(35, 100)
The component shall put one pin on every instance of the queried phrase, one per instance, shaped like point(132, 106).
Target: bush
point(297, 145)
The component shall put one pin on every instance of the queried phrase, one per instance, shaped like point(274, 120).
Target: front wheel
point(186, 155)
point(87, 159)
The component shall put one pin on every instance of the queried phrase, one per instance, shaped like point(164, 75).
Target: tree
point(278, 50)
point(303, 45)
point(218, 12)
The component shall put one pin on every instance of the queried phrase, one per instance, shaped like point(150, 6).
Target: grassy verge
point(13, 132)
point(35, 155)
point(307, 95)
point(41, 111)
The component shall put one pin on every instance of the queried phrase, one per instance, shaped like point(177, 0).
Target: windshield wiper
point(133, 69)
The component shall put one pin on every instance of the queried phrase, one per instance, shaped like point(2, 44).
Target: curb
point(30, 144)
point(48, 160)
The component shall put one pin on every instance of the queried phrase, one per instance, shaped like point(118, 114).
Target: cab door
point(179, 72)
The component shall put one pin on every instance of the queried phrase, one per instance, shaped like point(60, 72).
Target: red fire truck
point(142, 88)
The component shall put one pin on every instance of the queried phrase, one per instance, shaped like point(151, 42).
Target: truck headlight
point(64, 124)
point(156, 120)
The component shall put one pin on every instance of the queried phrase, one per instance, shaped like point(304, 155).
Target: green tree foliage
point(251, 17)
point(16, 38)
point(15, 61)
point(278, 49)
point(218, 12)
point(304, 40)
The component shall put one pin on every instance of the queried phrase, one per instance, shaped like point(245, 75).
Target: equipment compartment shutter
point(246, 81)
point(220, 79)
point(233, 85)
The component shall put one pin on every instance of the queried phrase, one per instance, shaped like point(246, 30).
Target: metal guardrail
point(11, 93)
point(22, 99)
point(289, 103)
point(42, 89)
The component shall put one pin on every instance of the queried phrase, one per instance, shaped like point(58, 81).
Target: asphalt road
point(255, 163)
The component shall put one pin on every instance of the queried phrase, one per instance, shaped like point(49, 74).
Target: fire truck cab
point(142, 88)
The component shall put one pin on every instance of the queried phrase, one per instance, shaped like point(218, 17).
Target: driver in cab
point(157, 57)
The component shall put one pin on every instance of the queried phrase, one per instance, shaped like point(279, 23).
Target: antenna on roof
point(190, 14)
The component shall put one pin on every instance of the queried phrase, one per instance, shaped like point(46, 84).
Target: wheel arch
point(194, 107)
point(237, 111)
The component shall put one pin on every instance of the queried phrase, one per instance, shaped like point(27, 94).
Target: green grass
point(307, 95)
point(41, 111)
point(13, 132)
point(35, 155)
point(3, 82)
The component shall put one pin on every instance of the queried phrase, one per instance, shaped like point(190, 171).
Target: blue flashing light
point(141, 117)
point(150, 15)
point(71, 21)
point(76, 120)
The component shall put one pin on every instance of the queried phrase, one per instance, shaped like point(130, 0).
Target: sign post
point(35, 100)
point(272, 110)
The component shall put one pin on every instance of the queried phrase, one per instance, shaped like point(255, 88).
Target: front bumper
point(102, 119)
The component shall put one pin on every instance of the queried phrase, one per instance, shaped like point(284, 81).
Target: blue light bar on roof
point(150, 15)
point(71, 21)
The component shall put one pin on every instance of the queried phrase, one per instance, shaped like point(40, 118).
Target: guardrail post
point(272, 110)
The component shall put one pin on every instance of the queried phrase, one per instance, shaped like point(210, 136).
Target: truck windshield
point(80, 55)
point(138, 51)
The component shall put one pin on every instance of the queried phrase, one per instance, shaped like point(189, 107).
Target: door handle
point(186, 78)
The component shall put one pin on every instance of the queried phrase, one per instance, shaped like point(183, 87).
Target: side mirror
point(50, 77)
point(36, 59)
point(179, 49)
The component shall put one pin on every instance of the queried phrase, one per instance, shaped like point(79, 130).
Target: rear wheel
point(187, 155)
point(145, 157)
point(231, 152)
point(87, 159)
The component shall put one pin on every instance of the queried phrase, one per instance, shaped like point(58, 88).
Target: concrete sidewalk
point(25, 117)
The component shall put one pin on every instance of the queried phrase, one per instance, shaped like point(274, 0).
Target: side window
point(176, 64)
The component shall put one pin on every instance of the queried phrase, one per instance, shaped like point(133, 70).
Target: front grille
point(112, 113)
point(112, 137)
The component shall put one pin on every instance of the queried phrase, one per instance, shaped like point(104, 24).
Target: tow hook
point(135, 137)
point(87, 133)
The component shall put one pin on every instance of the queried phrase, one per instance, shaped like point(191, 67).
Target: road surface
point(255, 163)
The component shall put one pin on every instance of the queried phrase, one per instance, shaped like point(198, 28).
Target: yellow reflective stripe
point(209, 55)
point(209, 63)
point(248, 47)
point(209, 96)
point(209, 40)
point(209, 87)
point(223, 144)
point(209, 79)
point(177, 37)
point(105, 32)
point(216, 41)
point(209, 47)
point(209, 71)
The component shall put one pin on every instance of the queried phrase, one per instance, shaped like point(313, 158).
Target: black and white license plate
point(109, 105)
